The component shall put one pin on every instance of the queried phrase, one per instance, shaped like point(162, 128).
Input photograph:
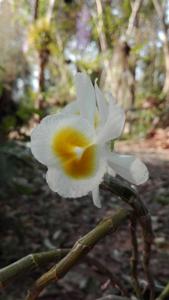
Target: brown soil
point(42, 220)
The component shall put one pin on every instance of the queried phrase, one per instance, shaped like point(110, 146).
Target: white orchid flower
point(74, 144)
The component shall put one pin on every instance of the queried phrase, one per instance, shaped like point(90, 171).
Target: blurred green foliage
point(26, 107)
point(8, 123)
point(163, 199)
point(56, 42)
point(42, 35)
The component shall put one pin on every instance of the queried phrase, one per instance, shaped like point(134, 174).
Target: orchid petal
point(68, 187)
point(102, 105)
point(114, 124)
point(85, 97)
point(71, 108)
point(111, 98)
point(41, 138)
point(111, 172)
point(96, 197)
point(42, 135)
point(129, 167)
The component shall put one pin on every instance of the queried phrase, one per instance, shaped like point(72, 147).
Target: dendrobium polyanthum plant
point(74, 144)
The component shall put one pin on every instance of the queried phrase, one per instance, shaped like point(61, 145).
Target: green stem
point(79, 250)
point(32, 261)
point(131, 197)
point(165, 293)
point(134, 258)
point(29, 263)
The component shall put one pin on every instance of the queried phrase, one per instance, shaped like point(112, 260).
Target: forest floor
point(35, 219)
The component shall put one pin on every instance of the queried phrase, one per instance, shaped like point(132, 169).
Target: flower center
point(76, 153)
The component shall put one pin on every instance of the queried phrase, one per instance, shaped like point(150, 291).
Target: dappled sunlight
point(84, 149)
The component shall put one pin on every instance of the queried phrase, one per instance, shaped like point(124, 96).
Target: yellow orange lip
point(77, 154)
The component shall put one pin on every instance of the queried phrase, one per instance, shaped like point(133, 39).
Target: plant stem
point(33, 261)
point(29, 263)
point(79, 250)
point(131, 197)
point(134, 258)
point(165, 293)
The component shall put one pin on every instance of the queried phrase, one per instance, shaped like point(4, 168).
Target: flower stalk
point(165, 293)
point(134, 258)
point(28, 264)
point(79, 250)
point(141, 213)
point(70, 257)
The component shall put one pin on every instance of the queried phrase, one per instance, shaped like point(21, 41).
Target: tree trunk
point(44, 53)
point(42, 65)
point(106, 76)
point(161, 12)
point(50, 9)
point(123, 85)
point(120, 76)
point(36, 10)
point(43, 60)
point(133, 20)
point(166, 59)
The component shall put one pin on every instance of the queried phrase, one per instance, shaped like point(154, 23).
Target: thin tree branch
point(79, 250)
point(100, 27)
point(161, 14)
point(103, 42)
point(160, 11)
point(50, 9)
point(133, 17)
point(36, 10)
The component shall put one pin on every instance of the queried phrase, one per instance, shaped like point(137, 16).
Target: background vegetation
point(124, 44)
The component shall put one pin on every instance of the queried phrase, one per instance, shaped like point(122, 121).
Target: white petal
point(77, 122)
point(129, 167)
point(111, 98)
point(111, 172)
point(102, 105)
point(41, 138)
point(85, 96)
point(42, 135)
point(96, 197)
point(71, 108)
point(114, 124)
point(70, 188)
